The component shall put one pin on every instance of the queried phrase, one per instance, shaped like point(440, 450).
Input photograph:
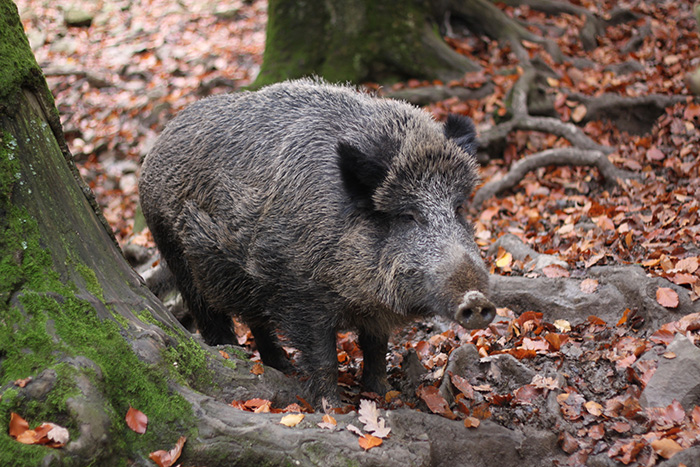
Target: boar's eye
point(409, 217)
point(461, 210)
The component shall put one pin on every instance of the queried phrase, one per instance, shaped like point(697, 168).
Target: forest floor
point(118, 80)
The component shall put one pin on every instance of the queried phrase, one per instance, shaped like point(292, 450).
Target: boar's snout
point(475, 311)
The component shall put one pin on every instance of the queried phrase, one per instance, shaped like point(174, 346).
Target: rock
point(619, 288)
point(676, 378)
point(77, 17)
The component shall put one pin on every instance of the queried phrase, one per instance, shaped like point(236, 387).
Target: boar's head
point(414, 189)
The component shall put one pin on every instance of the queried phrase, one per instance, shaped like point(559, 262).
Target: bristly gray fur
point(305, 207)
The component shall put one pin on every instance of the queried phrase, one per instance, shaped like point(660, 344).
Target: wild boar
point(304, 208)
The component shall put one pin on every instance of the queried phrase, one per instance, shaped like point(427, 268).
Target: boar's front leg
point(374, 347)
point(319, 359)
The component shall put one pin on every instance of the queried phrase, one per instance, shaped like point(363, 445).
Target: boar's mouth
point(475, 311)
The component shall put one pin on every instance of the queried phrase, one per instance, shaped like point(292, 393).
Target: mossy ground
point(43, 324)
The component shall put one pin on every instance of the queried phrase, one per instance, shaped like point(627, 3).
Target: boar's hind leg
point(211, 270)
point(270, 350)
point(374, 362)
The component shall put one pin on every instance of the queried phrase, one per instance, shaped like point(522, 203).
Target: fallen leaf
point(168, 458)
point(435, 402)
point(463, 385)
point(224, 354)
point(328, 423)
point(669, 355)
point(562, 325)
point(589, 285)
point(369, 416)
point(353, 429)
point(257, 369)
point(594, 408)
point(504, 261)
point(653, 154)
point(136, 420)
point(18, 425)
point(293, 419)
point(554, 270)
point(689, 265)
point(391, 395)
point(472, 422)
point(578, 113)
point(568, 443)
point(58, 435)
point(667, 297)
point(368, 442)
point(666, 447)
point(23, 382)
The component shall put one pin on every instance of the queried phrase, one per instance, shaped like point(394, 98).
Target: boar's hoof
point(475, 311)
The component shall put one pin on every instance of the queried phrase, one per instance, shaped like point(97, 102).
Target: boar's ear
point(361, 173)
point(461, 130)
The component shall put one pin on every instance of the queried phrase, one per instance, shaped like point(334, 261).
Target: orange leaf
point(666, 447)
point(589, 285)
point(18, 425)
point(136, 420)
point(667, 297)
point(554, 270)
point(578, 113)
point(368, 441)
point(293, 419)
point(168, 458)
point(472, 422)
point(224, 354)
point(435, 402)
point(257, 369)
point(463, 385)
point(23, 382)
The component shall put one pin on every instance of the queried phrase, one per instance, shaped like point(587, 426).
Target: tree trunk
point(355, 41)
point(78, 321)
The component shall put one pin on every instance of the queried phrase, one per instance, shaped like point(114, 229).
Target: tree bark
point(355, 41)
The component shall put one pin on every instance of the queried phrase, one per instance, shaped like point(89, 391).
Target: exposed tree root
point(635, 115)
point(559, 156)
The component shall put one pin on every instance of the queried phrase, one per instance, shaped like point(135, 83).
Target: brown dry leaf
point(328, 423)
point(18, 425)
point(589, 285)
point(435, 402)
point(369, 416)
point(136, 420)
point(669, 355)
point(224, 354)
point(368, 442)
point(578, 113)
point(505, 260)
point(554, 270)
point(293, 419)
point(654, 154)
point(568, 443)
point(666, 447)
point(472, 422)
point(168, 458)
point(264, 408)
point(594, 408)
point(667, 297)
point(23, 382)
point(391, 395)
point(689, 265)
point(463, 385)
point(257, 369)
point(562, 325)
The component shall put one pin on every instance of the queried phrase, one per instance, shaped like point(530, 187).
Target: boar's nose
point(476, 311)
